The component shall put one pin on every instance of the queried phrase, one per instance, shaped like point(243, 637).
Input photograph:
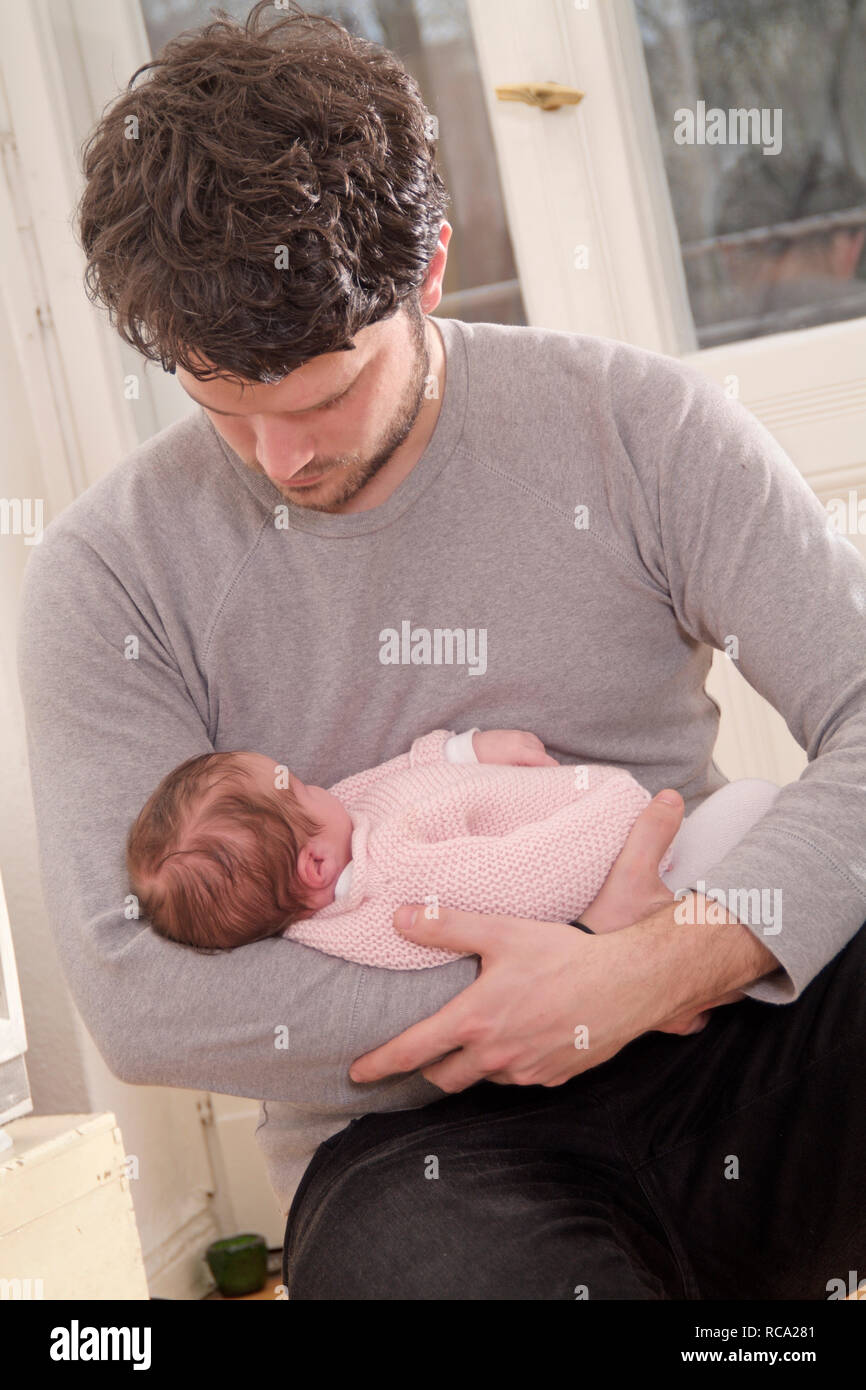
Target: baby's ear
point(309, 866)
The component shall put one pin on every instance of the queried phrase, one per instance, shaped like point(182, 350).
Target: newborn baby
point(231, 848)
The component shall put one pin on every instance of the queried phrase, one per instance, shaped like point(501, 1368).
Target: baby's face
point(334, 841)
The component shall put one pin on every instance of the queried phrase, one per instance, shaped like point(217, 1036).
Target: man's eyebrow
point(318, 406)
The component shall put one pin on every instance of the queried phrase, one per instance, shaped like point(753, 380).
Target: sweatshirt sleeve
point(102, 730)
point(753, 569)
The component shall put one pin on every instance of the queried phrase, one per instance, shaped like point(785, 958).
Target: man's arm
point(550, 1003)
point(741, 544)
point(752, 569)
point(102, 731)
point(688, 966)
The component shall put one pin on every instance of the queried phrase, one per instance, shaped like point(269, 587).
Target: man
point(275, 232)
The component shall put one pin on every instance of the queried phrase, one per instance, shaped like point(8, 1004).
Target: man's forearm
point(687, 965)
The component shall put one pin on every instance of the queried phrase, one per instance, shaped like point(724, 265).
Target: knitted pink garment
point(521, 841)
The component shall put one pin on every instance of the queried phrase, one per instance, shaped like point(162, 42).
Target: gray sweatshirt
point(587, 521)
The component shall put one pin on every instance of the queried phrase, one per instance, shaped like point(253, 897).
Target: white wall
point(64, 421)
point(160, 1127)
point(55, 1064)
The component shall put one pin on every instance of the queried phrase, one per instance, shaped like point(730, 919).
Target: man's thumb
point(655, 827)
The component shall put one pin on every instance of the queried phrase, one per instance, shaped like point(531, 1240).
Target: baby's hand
point(512, 746)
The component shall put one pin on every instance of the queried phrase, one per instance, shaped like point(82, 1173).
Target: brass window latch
point(548, 95)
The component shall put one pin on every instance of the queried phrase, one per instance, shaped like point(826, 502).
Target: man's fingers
point(454, 1073)
point(421, 1045)
point(471, 932)
point(425, 1043)
point(695, 1022)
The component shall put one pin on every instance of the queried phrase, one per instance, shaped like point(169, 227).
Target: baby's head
point(231, 848)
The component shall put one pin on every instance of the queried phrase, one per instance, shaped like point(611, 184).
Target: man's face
point(337, 420)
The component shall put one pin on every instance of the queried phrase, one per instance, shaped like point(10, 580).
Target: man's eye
point(339, 401)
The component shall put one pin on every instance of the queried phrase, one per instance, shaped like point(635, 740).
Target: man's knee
point(395, 1229)
point(368, 1235)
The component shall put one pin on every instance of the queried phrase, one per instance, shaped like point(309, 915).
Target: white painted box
point(67, 1222)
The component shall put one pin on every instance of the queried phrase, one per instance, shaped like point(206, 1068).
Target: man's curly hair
point(270, 189)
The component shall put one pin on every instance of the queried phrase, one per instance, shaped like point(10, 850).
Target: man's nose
point(282, 454)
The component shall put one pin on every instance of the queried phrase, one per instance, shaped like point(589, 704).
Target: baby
point(231, 848)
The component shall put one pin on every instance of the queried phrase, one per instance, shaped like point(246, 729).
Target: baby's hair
point(212, 857)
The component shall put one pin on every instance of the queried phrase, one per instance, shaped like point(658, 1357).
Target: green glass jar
point(239, 1264)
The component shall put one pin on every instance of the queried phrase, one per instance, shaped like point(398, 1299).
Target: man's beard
point(351, 472)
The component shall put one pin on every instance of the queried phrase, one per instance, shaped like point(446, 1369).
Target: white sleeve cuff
point(458, 748)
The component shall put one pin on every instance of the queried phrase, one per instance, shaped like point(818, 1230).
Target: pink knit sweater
point(522, 841)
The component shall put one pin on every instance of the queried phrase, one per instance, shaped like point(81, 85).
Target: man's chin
point(333, 489)
point(337, 485)
point(298, 489)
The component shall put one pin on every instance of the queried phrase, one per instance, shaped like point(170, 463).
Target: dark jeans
point(728, 1164)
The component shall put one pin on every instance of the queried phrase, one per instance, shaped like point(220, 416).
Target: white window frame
point(593, 175)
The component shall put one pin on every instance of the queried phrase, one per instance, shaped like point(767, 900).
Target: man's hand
point(551, 1002)
point(633, 889)
point(515, 747)
point(540, 982)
